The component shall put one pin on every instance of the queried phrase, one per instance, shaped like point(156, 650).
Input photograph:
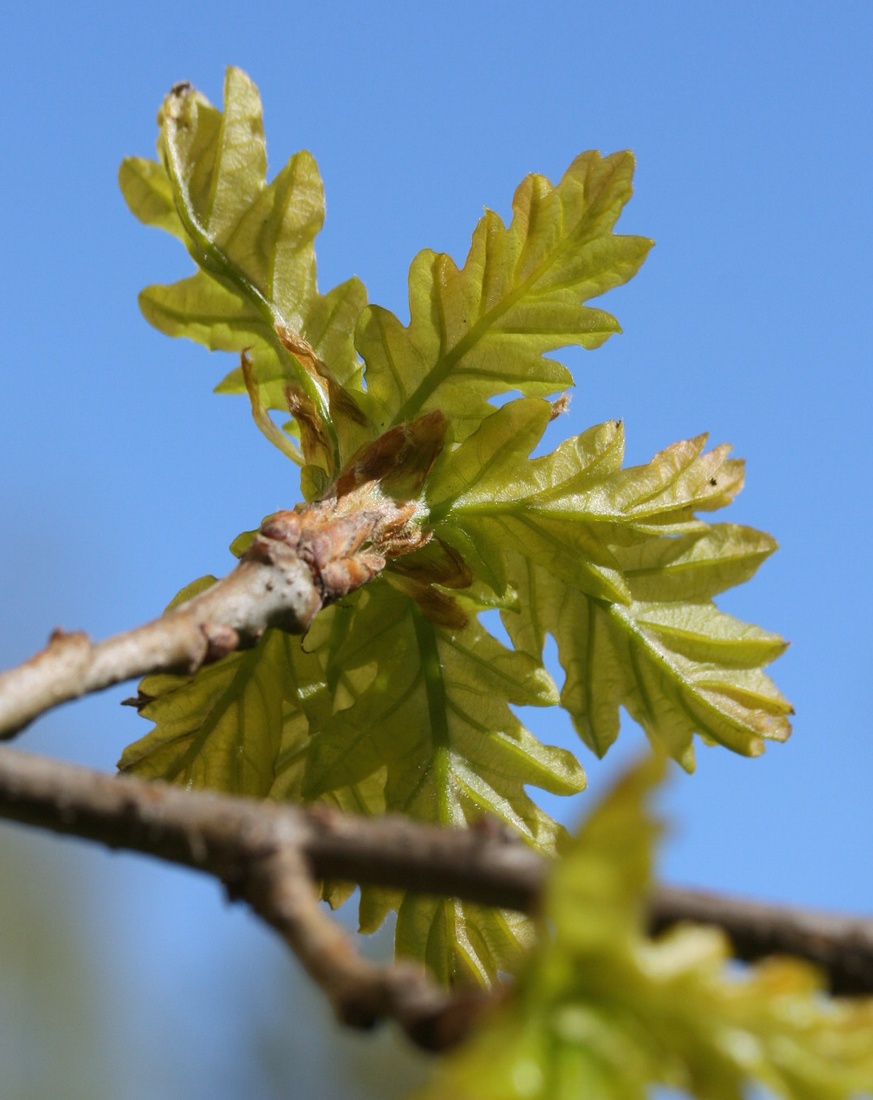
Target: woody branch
point(297, 562)
point(235, 839)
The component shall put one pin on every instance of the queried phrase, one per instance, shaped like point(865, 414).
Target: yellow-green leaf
point(428, 705)
point(601, 1011)
point(483, 329)
point(149, 194)
point(677, 668)
point(253, 242)
point(696, 566)
point(617, 566)
point(377, 710)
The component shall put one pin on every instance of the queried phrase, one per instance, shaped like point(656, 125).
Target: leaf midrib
point(444, 366)
point(436, 694)
point(215, 261)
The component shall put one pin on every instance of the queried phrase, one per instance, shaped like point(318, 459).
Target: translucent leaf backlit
point(398, 699)
point(617, 566)
point(483, 329)
point(253, 242)
point(603, 1011)
point(377, 709)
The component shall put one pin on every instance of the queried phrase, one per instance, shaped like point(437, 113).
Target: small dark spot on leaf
point(713, 481)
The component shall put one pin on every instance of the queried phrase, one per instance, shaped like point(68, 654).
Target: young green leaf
point(602, 1011)
point(434, 716)
point(398, 699)
point(483, 329)
point(616, 565)
point(378, 710)
point(225, 727)
point(253, 241)
point(220, 729)
point(678, 669)
point(149, 194)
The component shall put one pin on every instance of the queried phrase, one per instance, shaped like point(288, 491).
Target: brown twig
point(296, 563)
point(280, 888)
point(267, 855)
point(841, 946)
point(246, 844)
point(207, 831)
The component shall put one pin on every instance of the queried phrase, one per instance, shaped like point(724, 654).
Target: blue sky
point(125, 478)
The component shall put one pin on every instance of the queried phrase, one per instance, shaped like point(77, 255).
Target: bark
point(298, 562)
point(271, 855)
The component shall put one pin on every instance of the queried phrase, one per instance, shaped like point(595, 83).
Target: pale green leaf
point(700, 632)
point(456, 940)
point(696, 566)
point(573, 553)
point(677, 668)
point(483, 329)
point(430, 707)
point(225, 727)
point(212, 314)
point(617, 566)
point(377, 709)
point(447, 692)
point(603, 1012)
point(490, 472)
point(253, 242)
point(581, 480)
point(482, 467)
point(662, 496)
point(149, 194)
